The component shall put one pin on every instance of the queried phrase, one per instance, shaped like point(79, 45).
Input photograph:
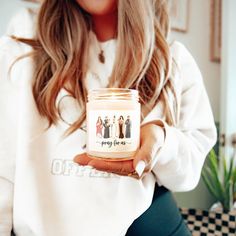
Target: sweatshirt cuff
point(170, 147)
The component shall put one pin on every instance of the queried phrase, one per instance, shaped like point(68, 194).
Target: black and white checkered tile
point(208, 223)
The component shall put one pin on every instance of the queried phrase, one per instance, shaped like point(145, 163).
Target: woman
point(114, 128)
point(121, 126)
point(106, 125)
point(99, 126)
point(128, 127)
point(85, 44)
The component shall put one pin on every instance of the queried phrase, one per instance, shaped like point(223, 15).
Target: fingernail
point(140, 167)
point(89, 166)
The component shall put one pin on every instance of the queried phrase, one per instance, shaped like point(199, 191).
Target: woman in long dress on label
point(113, 127)
point(106, 125)
point(121, 127)
point(99, 126)
point(128, 127)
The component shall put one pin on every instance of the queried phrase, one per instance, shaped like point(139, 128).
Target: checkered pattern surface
point(208, 223)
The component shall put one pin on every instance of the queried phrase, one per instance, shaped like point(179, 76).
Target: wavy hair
point(60, 52)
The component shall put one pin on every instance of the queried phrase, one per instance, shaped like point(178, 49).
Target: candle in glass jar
point(113, 123)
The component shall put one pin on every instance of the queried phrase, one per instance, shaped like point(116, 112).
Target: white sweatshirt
point(43, 193)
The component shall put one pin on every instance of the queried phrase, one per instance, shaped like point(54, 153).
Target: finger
point(82, 159)
point(144, 158)
point(145, 153)
point(118, 167)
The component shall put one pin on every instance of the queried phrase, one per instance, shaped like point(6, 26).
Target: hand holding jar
point(115, 142)
point(151, 137)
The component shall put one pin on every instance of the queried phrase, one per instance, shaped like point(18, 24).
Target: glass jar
point(113, 123)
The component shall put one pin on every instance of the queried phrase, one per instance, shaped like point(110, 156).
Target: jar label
point(113, 130)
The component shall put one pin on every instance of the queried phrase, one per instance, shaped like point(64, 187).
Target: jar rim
point(113, 90)
point(113, 93)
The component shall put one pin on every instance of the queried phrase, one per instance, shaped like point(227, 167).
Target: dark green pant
point(162, 218)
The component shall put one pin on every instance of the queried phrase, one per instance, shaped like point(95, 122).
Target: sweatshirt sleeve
point(180, 160)
point(8, 135)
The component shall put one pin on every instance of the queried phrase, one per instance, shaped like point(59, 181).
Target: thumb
point(142, 159)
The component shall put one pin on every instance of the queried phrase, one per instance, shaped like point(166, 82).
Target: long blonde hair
point(60, 52)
